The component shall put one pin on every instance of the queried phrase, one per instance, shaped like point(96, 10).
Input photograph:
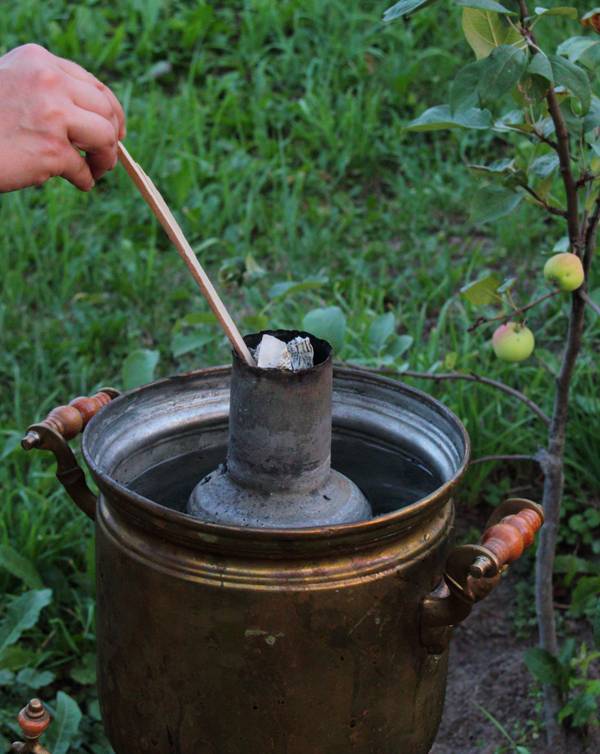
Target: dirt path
point(487, 669)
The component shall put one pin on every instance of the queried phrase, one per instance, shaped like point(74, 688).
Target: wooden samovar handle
point(62, 424)
point(473, 571)
point(33, 721)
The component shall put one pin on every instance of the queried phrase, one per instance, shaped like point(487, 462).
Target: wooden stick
point(165, 217)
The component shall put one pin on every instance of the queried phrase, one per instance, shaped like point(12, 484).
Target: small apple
point(565, 270)
point(513, 342)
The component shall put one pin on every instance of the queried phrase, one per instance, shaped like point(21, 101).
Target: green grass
point(275, 131)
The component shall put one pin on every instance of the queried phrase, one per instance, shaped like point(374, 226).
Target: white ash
point(272, 353)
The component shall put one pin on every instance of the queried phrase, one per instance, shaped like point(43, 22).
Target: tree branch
point(548, 207)
point(485, 320)
point(585, 177)
point(470, 377)
point(592, 304)
point(590, 235)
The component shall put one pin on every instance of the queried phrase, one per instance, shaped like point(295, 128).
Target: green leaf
point(507, 284)
point(560, 10)
point(493, 202)
point(573, 78)
point(540, 66)
point(183, 343)
point(584, 594)
point(501, 167)
point(563, 244)
point(328, 323)
point(592, 119)
point(450, 361)
point(545, 165)
point(403, 8)
point(483, 291)
point(485, 30)
point(399, 345)
point(574, 47)
point(7, 677)
point(12, 442)
point(85, 672)
point(595, 617)
point(22, 613)
point(381, 329)
point(464, 89)
point(440, 117)
point(543, 666)
point(65, 724)
point(288, 287)
point(503, 68)
point(19, 566)
point(35, 679)
point(17, 657)
point(490, 5)
point(138, 368)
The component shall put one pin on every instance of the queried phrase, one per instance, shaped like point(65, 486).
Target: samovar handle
point(33, 721)
point(64, 423)
point(472, 571)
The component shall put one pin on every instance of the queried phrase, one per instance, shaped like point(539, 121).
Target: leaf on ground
point(65, 724)
point(35, 679)
point(287, 288)
point(183, 343)
point(138, 368)
point(483, 291)
point(20, 567)
point(398, 345)
point(492, 202)
point(543, 666)
point(328, 323)
point(381, 329)
point(85, 672)
point(22, 613)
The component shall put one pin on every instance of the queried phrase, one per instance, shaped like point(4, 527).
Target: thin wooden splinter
point(165, 217)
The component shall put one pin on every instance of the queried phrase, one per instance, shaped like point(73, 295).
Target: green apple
point(513, 342)
point(565, 270)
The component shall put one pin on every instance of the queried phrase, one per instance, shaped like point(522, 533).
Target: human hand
point(50, 109)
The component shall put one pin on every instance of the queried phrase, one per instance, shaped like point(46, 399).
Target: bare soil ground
point(486, 669)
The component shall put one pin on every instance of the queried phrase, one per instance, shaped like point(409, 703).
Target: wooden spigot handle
point(508, 538)
point(68, 421)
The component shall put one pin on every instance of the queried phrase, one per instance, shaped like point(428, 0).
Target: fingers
point(77, 72)
point(95, 135)
point(76, 170)
point(91, 98)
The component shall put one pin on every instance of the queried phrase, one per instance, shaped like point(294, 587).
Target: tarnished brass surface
point(218, 639)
